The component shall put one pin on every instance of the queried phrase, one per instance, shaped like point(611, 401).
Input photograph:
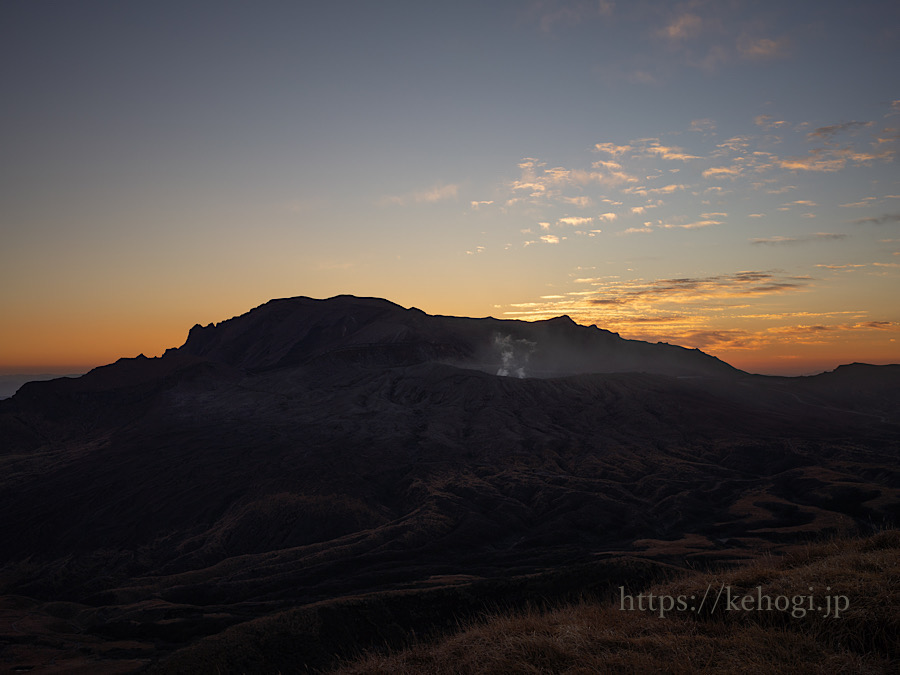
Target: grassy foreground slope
point(594, 637)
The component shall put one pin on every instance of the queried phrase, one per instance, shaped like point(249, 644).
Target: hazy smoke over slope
point(513, 355)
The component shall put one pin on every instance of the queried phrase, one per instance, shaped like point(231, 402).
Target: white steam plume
point(513, 355)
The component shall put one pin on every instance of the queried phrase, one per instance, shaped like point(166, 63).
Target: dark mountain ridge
point(295, 331)
point(311, 450)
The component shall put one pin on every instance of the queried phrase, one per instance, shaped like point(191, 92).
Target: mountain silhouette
point(298, 331)
point(314, 453)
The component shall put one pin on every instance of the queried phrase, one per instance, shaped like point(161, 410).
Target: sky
point(716, 174)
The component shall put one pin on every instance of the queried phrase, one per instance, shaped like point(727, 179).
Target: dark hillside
point(315, 450)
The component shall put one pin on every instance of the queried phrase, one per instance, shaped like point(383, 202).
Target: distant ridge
point(10, 383)
point(291, 331)
point(312, 453)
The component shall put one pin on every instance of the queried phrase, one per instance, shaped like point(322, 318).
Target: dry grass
point(600, 637)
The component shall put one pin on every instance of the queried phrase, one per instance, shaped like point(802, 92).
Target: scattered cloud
point(703, 310)
point(668, 189)
point(438, 193)
point(768, 122)
point(696, 224)
point(795, 331)
point(644, 191)
point(879, 220)
point(841, 267)
point(653, 147)
point(816, 161)
point(581, 201)
point(550, 14)
point(678, 309)
point(819, 236)
point(613, 175)
point(865, 157)
point(633, 176)
point(539, 184)
point(782, 189)
point(612, 148)
point(762, 48)
point(829, 131)
point(672, 318)
point(575, 221)
point(735, 144)
point(890, 135)
point(704, 339)
point(722, 171)
point(740, 284)
point(684, 27)
point(833, 159)
point(689, 310)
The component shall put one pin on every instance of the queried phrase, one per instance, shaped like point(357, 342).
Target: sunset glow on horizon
point(720, 176)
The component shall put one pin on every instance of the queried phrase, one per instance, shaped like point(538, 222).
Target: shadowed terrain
point(351, 471)
point(613, 635)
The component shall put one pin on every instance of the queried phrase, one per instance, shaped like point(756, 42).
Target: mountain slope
point(312, 450)
point(295, 331)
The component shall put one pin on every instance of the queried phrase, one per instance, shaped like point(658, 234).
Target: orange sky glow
point(721, 176)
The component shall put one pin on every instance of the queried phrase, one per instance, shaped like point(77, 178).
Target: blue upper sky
point(716, 174)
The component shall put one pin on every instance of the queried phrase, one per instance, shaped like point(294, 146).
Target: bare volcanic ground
point(372, 476)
